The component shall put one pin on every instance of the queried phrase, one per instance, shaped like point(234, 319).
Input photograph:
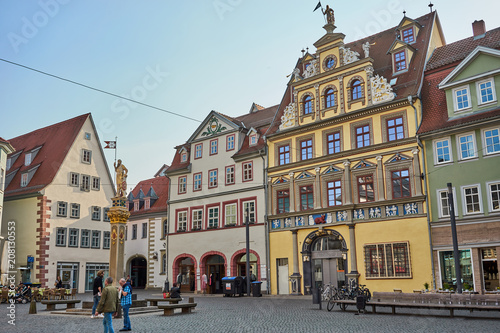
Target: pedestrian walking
point(97, 288)
point(108, 305)
point(126, 302)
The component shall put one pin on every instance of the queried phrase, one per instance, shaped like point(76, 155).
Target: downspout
point(424, 163)
point(266, 227)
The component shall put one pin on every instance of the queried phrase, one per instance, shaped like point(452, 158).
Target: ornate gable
point(304, 174)
point(331, 169)
point(397, 158)
point(281, 180)
point(363, 164)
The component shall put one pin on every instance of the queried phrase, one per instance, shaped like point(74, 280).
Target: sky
point(185, 57)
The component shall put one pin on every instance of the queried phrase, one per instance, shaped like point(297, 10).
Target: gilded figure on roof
point(121, 178)
point(330, 17)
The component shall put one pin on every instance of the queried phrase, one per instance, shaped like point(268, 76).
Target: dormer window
point(27, 159)
point(307, 104)
point(356, 92)
point(184, 157)
point(461, 98)
point(147, 203)
point(400, 61)
point(253, 139)
point(408, 35)
point(136, 205)
point(24, 179)
point(486, 91)
point(9, 164)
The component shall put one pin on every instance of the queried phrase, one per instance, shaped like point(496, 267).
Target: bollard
point(32, 306)
point(319, 297)
point(191, 300)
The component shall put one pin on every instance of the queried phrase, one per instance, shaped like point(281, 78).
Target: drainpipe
point(266, 222)
point(424, 163)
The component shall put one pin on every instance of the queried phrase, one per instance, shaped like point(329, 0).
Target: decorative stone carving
point(375, 213)
point(299, 221)
point(391, 210)
point(288, 222)
point(366, 49)
point(296, 75)
point(288, 118)
point(348, 55)
point(381, 90)
point(276, 224)
point(311, 220)
point(359, 214)
point(329, 218)
point(342, 216)
point(312, 69)
point(369, 71)
point(411, 208)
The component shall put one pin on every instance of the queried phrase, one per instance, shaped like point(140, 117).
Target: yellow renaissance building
point(345, 178)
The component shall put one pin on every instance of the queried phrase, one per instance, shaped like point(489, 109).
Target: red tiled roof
point(160, 186)
point(3, 140)
point(176, 162)
point(55, 142)
point(459, 50)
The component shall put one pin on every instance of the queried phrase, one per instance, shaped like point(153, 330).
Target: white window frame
point(455, 102)
point(493, 92)
point(214, 147)
point(77, 210)
point(230, 174)
point(89, 152)
point(459, 146)
point(198, 148)
point(490, 201)
point(70, 244)
point(96, 213)
point(27, 159)
point(211, 220)
point(434, 145)
point(182, 184)
point(198, 219)
point(183, 221)
point(62, 205)
point(440, 204)
point(24, 179)
point(483, 137)
point(85, 186)
point(251, 212)
point(235, 215)
point(184, 157)
point(98, 238)
point(213, 178)
point(464, 201)
point(197, 183)
point(144, 230)
point(87, 235)
point(61, 232)
point(253, 139)
point(8, 164)
point(96, 183)
point(76, 181)
point(106, 239)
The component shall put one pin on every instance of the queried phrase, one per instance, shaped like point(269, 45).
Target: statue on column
point(330, 17)
point(121, 178)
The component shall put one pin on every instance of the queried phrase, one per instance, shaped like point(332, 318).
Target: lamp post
point(456, 254)
point(247, 227)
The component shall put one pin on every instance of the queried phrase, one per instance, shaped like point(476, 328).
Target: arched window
point(329, 98)
point(307, 104)
point(164, 263)
point(356, 90)
point(164, 229)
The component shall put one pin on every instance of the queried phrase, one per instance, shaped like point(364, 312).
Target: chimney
point(478, 28)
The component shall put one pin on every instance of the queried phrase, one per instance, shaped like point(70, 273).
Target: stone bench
point(168, 310)
point(154, 301)
point(51, 304)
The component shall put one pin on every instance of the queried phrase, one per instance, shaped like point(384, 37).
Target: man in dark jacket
point(108, 305)
point(97, 291)
point(175, 292)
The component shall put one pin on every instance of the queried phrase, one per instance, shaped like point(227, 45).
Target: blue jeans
point(107, 322)
point(126, 318)
point(96, 301)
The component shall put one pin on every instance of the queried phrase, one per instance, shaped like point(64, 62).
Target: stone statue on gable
point(121, 178)
point(329, 14)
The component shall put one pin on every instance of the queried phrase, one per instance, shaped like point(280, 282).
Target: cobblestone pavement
point(249, 314)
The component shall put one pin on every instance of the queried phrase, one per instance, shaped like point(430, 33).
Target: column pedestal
point(118, 215)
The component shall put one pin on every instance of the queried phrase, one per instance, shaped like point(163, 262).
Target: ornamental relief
point(348, 55)
point(288, 118)
point(312, 69)
point(381, 90)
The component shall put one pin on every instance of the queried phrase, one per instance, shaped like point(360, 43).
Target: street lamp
point(456, 254)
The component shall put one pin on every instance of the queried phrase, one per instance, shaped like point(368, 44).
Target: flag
point(317, 6)
point(110, 144)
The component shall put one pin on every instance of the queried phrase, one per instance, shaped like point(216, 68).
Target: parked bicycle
point(345, 293)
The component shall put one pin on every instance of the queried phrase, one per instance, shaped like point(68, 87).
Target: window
point(86, 156)
point(395, 129)
point(306, 149)
point(147, 203)
point(466, 146)
point(387, 260)
point(2, 178)
point(230, 214)
point(212, 177)
point(144, 230)
point(9, 163)
point(197, 218)
point(163, 263)
point(198, 150)
point(106, 240)
point(399, 61)
point(230, 175)
point(96, 213)
point(444, 203)
point(85, 183)
point(27, 159)
point(105, 216)
point(85, 239)
point(306, 197)
point(164, 229)
point(362, 136)
point(366, 192)
point(74, 179)
point(247, 171)
point(197, 182)
point(253, 139)
point(408, 35)
point(24, 179)
point(62, 208)
point(333, 142)
point(284, 154)
point(96, 239)
point(330, 63)
point(400, 184)
point(486, 91)
point(75, 211)
point(134, 231)
point(334, 189)
point(447, 263)
point(213, 217)
point(73, 238)
point(213, 147)
point(462, 98)
point(283, 198)
point(230, 142)
point(96, 183)
point(182, 221)
point(329, 98)
point(492, 141)
point(61, 237)
point(472, 199)
point(250, 205)
point(494, 196)
point(136, 205)
point(184, 157)
point(182, 186)
point(442, 151)
point(356, 90)
point(307, 101)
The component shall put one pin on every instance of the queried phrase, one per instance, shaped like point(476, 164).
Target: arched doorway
point(185, 275)
point(241, 265)
point(215, 270)
point(138, 272)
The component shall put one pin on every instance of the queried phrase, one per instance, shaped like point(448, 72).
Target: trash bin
point(256, 286)
point(229, 285)
point(361, 302)
point(239, 284)
point(316, 295)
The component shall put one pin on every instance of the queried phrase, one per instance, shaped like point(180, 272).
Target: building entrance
point(328, 262)
point(138, 272)
point(186, 275)
point(215, 273)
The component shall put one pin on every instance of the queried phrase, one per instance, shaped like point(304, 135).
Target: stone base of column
point(352, 279)
point(295, 280)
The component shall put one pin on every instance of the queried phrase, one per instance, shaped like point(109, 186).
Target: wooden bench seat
point(154, 301)
point(51, 304)
point(168, 310)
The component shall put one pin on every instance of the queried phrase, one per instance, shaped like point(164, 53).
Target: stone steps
point(88, 312)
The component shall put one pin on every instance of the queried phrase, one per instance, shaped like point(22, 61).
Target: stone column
point(295, 278)
point(270, 197)
point(380, 179)
point(341, 93)
point(347, 183)
point(318, 102)
point(352, 276)
point(317, 189)
point(416, 172)
point(292, 192)
point(118, 215)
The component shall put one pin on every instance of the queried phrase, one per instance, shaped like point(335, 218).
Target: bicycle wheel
point(332, 302)
point(368, 295)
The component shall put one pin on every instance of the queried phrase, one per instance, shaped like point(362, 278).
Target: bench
point(51, 304)
point(154, 301)
point(168, 310)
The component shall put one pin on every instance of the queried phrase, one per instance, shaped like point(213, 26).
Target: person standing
point(58, 283)
point(108, 305)
point(204, 283)
point(126, 301)
point(97, 291)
